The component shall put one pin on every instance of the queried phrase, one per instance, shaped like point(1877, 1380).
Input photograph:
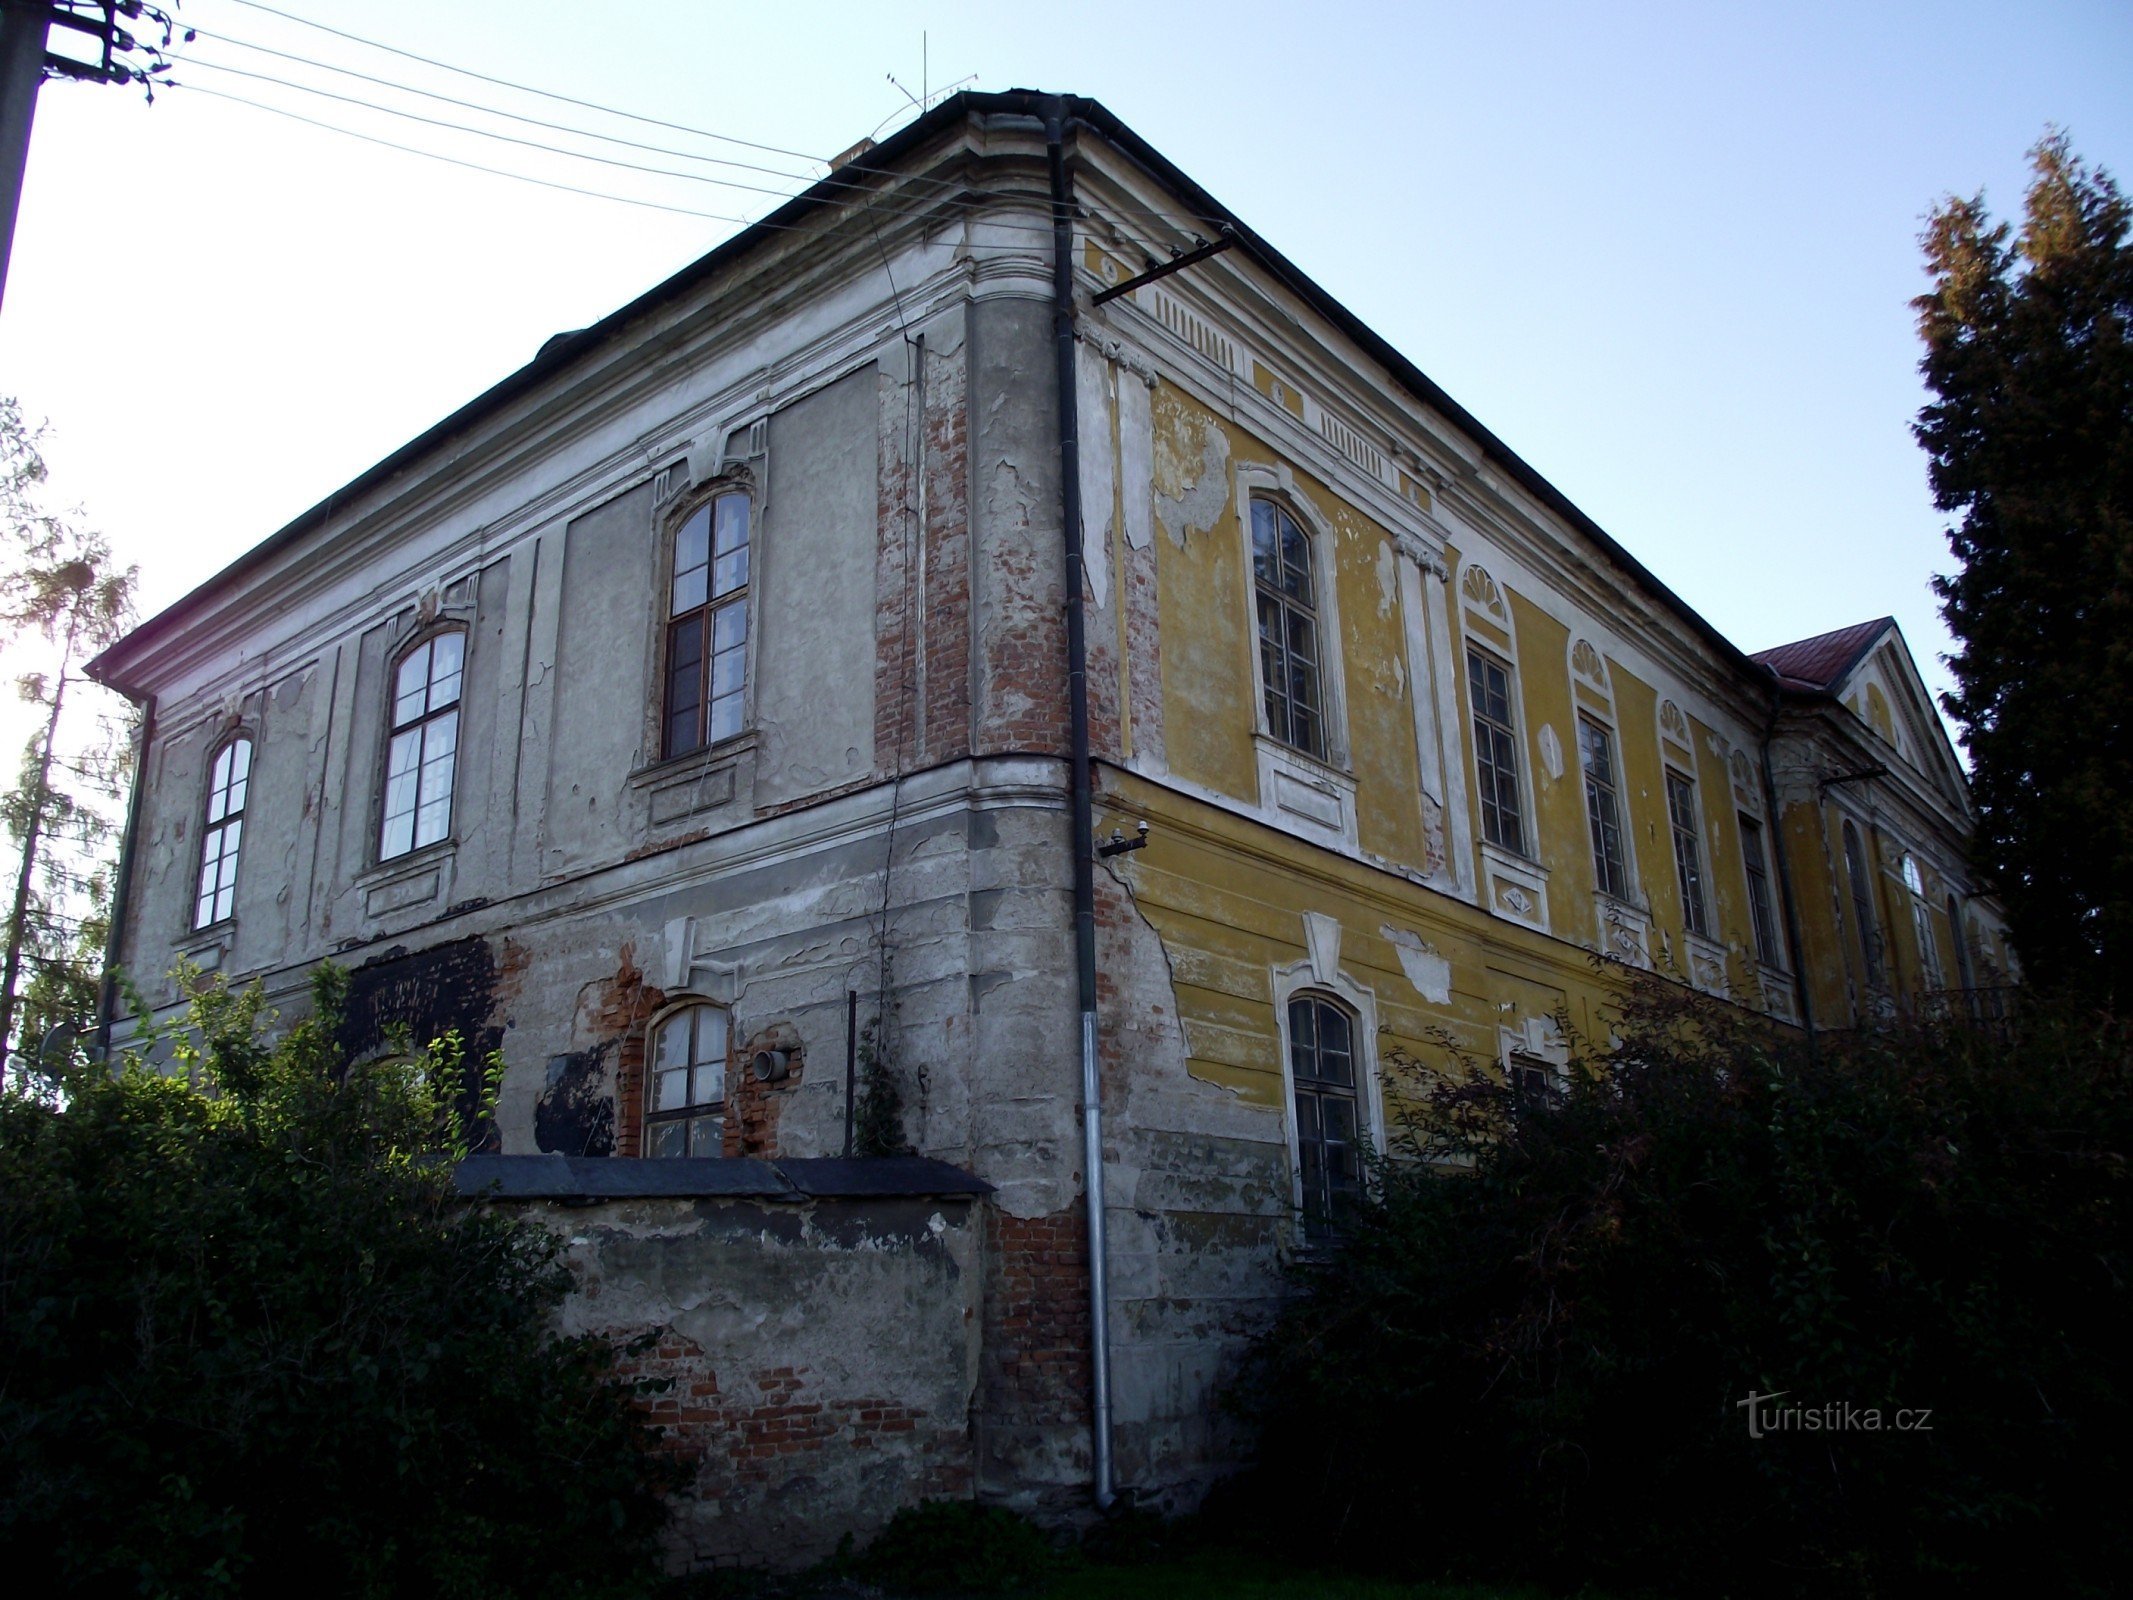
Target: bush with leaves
point(1529, 1356)
point(251, 1343)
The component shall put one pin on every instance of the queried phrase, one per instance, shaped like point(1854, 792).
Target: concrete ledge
point(559, 1177)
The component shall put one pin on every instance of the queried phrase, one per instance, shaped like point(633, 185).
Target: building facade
point(712, 669)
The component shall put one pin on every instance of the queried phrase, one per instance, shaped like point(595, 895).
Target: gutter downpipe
point(1777, 841)
point(107, 995)
point(1081, 818)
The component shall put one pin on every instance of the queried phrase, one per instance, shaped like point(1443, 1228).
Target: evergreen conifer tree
point(2030, 441)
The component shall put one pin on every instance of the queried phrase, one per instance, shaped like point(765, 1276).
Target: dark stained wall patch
point(575, 1115)
point(445, 989)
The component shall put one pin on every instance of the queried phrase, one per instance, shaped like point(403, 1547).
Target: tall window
point(1863, 905)
point(1488, 684)
point(1688, 851)
point(707, 630)
point(1963, 974)
point(1930, 972)
point(1328, 1121)
point(425, 746)
point(686, 1113)
point(227, 782)
point(1603, 808)
point(1288, 629)
point(1758, 864)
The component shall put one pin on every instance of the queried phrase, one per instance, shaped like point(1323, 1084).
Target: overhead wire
point(566, 188)
point(523, 88)
point(1180, 218)
point(486, 133)
point(472, 166)
point(475, 105)
point(864, 191)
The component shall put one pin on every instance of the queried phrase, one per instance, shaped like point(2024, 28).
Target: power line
point(505, 83)
point(455, 161)
point(473, 105)
point(1175, 218)
point(488, 133)
point(861, 189)
point(546, 183)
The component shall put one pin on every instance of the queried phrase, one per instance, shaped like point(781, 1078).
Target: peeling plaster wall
point(815, 1362)
point(814, 707)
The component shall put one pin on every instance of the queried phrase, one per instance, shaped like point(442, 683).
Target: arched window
point(425, 745)
point(1863, 906)
point(1329, 1129)
point(1285, 592)
point(685, 1104)
point(707, 626)
point(229, 778)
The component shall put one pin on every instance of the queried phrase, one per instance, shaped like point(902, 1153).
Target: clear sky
point(1663, 251)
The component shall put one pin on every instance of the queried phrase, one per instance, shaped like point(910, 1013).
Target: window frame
point(430, 716)
point(705, 614)
point(1321, 1222)
point(1689, 871)
point(1755, 864)
point(1288, 605)
point(1603, 792)
point(1932, 976)
point(1871, 947)
point(215, 829)
point(1478, 655)
point(692, 1111)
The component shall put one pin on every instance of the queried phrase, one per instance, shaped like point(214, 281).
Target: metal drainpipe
point(1081, 820)
point(1777, 845)
point(107, 996)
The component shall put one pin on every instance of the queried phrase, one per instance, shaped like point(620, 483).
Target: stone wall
point(808, 1331)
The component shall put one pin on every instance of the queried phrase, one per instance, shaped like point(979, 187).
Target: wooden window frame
point(1862, 888)
point(693, 1113)
point(1325, 1194)
point(1302, 727)
point(702, 630)
point(222, 832)
point(1684, 822)
point(436, 713)
point(1755, 859)
point(1491, 775)
point(1603, 809)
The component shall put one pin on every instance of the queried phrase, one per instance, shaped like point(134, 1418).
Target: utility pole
point(26, 60)
point(23, 26)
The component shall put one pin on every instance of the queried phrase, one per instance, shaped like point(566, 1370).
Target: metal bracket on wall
point(1174, 264)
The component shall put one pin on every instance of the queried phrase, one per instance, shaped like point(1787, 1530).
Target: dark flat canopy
point(557, 1177)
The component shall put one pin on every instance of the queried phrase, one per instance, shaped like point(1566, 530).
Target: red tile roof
point(1819, 662)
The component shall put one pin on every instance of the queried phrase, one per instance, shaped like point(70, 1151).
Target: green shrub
point(1529, 1357)
point(958, 1547)
point(250, 1344)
